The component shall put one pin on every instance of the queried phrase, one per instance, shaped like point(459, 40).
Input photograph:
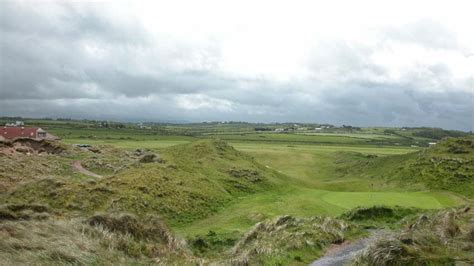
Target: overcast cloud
point(365, 63)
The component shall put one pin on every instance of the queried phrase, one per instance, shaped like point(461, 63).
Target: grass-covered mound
point(448, 165)
point(25, 160)
point(290, 240)
point(377, 215)
point(105, 239)
point(443, 238)
point(190, 182)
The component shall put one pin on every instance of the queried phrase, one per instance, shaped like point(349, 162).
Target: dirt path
point(77, 165)
point(342, 254)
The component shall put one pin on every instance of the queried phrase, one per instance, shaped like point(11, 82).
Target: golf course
point(208, 188)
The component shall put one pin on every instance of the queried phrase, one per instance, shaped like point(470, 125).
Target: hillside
point(188, 182)
point(449, 165)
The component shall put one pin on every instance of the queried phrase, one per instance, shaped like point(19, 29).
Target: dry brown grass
point(105, 239)
point(441, 238)
point(279, 240)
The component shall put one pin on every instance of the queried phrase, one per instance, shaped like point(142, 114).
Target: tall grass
point(288, 239)
point(441, 238)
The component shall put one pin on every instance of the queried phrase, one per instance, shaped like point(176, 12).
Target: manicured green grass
point(349, 200)
point(305, 202)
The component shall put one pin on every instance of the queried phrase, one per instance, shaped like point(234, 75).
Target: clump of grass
point(387, 251)
point(24, 212)
point(289, 240)
point(444, 237)
point(44, 242)
point(103, 239)
point(448, 227)
point(213, 244)
point(149, 228)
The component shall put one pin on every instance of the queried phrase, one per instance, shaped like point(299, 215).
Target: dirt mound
point(30, 146)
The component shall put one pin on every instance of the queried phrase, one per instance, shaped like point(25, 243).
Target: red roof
point(18, 132)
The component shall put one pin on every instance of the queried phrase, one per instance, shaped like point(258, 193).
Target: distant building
point(13, 132)
point(16, 124)
point(279, 129)
point(431, 143)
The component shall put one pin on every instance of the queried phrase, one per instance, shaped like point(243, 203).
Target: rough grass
point(24, 212)
point(21, 168)
point(441, 238)
point(290, 240)
point(193, 181)
point(449, 165)
point(104, 240)
point(379, 213)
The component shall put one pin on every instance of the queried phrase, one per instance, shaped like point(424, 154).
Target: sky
point(361, 63)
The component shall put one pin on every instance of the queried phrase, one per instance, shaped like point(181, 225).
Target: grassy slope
point(316, 185)
point(447, 166)
point(193, 182)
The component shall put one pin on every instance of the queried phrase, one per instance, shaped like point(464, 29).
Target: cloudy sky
point(365, 63)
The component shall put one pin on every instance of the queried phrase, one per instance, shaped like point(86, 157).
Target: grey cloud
point(46, 71)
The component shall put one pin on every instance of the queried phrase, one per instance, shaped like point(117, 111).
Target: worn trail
point(342, 254)
point(78, 166)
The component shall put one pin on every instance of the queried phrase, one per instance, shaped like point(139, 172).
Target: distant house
point(431, 143)
point(11, 133)
point(16, 124)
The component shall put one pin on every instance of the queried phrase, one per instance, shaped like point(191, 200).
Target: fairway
point(306, 202)
point(349, 200)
